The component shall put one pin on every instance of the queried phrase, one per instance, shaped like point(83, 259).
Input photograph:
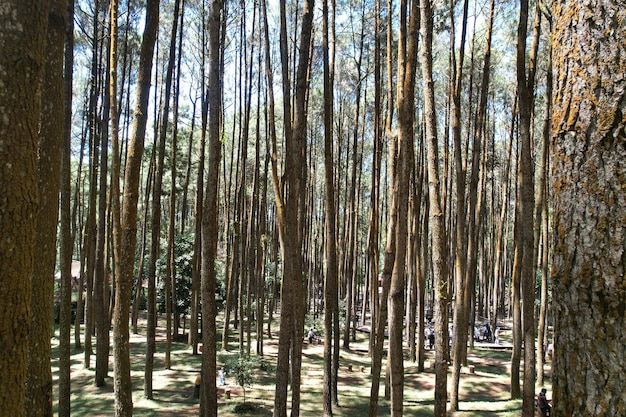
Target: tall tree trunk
point(197, 244)
point(407, 67)
point(165, 111)
point(459, 341)
point(437, 220)
point(500, 240)
point(66, 239)
point(39, 374)
point(474, 210)
point(151, 310)
point(91, 233)
point(379, 318)
point(372, 249)
point(121, 347)
point(208, 396)
point(542, 228)
point(289, 223)
point(272, 155)
point(516, 311)
point(101, 278)
point(350, 270)
point(332, 274)
point(74, 199)
point(139, 291)
point(188, 163)
point(588, 184)
point(114, 193)
point(525, 234)
point(21, 67)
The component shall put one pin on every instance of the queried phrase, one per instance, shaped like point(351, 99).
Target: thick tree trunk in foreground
point(22, 41)
point(589, 176)
point(39, 375)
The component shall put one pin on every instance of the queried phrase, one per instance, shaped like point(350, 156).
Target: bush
point(248, 408)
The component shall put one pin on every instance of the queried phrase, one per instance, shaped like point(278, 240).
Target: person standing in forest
point(543, 403)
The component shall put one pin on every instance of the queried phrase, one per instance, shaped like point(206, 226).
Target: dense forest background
point(339, 165)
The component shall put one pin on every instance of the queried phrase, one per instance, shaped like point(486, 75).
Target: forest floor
point(484, 391)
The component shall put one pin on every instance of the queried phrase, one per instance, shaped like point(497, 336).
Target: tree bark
point(39, 374)
point(22, 61)
point(588, 155)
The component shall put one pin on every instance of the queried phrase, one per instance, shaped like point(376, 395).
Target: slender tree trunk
point(439, 250)
point(526, 81)
point(407, 66)
point(165, 111)
point(121, 347)
point(351, 205)
point(66, 240)
point(542, 232)
point(459, 342)
point(188, 163)
point(272, 154)
point(499, 261)
point(381, 318)
point(208, 396)
point(331, 282)
point(101, 278)
point(91, 230)
point(139, 291)
point(289, 214)
point(372, 249)
point(474, 210)
point(151, 310)
point(69, 71)
point(114, 193)
point(197, 244)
